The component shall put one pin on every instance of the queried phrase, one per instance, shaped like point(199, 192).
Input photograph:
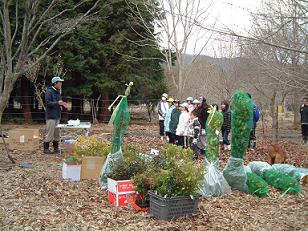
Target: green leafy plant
point(171, 154)
point(90, 146)
point(130, 165)
point(71, 159)
point(182, 179)
point(173, 173)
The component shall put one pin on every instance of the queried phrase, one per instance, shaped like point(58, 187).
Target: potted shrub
point(71, 169)
point(170, 183)
point(92, 151)
point(121, 189)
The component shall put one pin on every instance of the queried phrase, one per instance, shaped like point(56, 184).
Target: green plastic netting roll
point(282, 181)
point(256, 185)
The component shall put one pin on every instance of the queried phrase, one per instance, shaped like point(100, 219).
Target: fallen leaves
point(38, 199)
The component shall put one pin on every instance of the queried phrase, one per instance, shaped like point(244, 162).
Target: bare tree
point(174, 28)
point(21, 42)
point(280, 74)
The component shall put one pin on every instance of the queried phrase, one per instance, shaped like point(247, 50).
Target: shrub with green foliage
point(173, 173)
point(130, 165)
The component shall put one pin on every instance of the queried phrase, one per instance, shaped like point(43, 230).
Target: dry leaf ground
point(38, 199)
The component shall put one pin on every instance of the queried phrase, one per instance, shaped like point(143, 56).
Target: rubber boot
point(56, 149)
point(254, 144)
point(46, 148)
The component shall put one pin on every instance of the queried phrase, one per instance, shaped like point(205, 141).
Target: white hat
point(196, 101)
point(184, 105)
point(189, 98)
point(56, 79)
point(165, 95)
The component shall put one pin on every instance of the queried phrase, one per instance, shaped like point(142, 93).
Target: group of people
point(183, 122)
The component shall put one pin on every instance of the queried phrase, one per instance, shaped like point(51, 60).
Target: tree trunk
point(274, 115)
point(295, 108)
point(150, 110)
point(6, 92)
point(26, 101)
point(104, 112)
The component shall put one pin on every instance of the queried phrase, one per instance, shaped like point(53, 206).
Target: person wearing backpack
point(304, 120)
point(256, 116)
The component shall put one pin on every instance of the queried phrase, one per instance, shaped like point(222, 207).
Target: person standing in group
point(182, 128)
point(194, 132)
point(162, 109)
point(226, 126)
point(53, 104)
point(174, 120)
point(171, 107)
point(202, 116)
point(256, 116)
point(190, 106)
point(196, 104)
point(304, 120)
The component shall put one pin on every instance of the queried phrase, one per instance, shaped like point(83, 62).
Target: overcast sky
point(233, 14)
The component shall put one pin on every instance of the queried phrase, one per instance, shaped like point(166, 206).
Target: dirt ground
point(38, 199)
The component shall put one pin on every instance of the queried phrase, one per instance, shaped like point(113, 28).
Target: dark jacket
point(53, 109)
point(226, 126)
point(202, 115)
point(197, 127)
point(174, 120)
point(304, 114)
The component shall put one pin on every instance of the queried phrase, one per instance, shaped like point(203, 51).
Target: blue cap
point(56, 79)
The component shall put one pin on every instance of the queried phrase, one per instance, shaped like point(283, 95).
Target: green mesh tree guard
point(282, 181)
point(256, 185)
point(214, 182)
point(213, 127)
point(241, 121)
point(120, 119)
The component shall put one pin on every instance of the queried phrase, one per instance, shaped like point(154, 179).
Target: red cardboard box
point(119, 192)
point(120, 186)
point(123, 199)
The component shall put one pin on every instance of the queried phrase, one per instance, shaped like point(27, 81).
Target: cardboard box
point(24, 139)
point(91, 167)
point(120, 193)
point(122, 199)
point(71, 171)
point(120, 186)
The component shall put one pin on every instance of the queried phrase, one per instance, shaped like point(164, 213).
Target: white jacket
point(162, 109)
point(183, 125)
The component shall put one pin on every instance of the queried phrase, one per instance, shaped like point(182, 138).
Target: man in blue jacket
point(53, 103)
point(256, 116)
